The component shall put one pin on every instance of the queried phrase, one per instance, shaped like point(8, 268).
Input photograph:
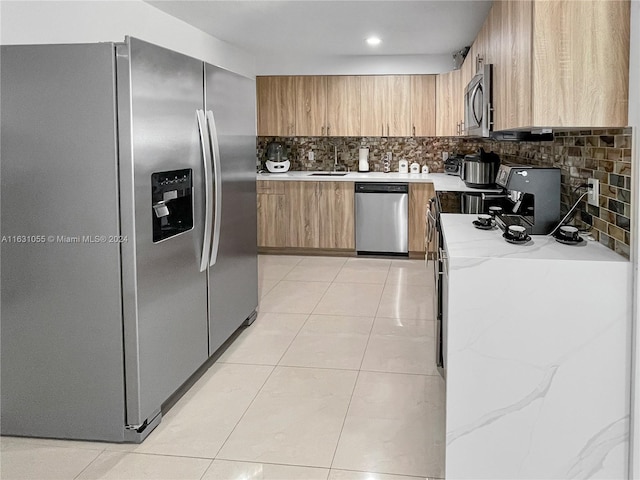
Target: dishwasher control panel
point(374, 187)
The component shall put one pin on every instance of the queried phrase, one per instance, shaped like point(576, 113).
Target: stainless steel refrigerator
point(128, 232)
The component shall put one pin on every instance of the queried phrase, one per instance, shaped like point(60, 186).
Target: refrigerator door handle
point(206, 151)
point(217, 178)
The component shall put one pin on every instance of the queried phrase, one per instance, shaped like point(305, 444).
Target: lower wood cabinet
point(306, 215)
point(272, 214)
point(419, 195)
point(336, 215)
point(321, 215)
point(302, 214)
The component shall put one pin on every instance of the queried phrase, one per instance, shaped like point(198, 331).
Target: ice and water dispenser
point(172, 201)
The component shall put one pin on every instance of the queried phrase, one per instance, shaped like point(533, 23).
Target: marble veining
point(539, 392)
point(591, 458)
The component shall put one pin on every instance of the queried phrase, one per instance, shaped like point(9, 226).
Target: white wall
point(634, 121)
point(31, 22)
point(353, 65)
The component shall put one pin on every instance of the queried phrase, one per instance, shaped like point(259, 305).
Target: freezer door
point(233, 275)
point(62, 367)
point(164, 292)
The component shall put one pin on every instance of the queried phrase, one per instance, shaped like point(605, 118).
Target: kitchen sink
point(328, 174)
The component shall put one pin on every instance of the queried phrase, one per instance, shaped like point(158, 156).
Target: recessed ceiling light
point(373, 41)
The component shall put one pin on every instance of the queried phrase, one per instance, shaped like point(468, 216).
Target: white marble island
point(537, 357)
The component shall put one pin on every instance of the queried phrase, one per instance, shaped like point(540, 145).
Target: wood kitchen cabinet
point(311, 106)
point(306, 215)
point(419, 195)
point(272, 214)
point(385, 105)
point(302, 214)
point(336, 215)
point(276, 99)
point(423, 105)
point(449, 104)
point(343, 106)
point(557, 63)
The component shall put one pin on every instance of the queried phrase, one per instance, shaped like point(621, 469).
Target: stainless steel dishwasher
point(382, 218)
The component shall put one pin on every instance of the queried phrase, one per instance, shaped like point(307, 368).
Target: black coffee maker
point(533, 197)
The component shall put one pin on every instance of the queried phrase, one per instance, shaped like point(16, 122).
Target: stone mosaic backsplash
point(604, 154)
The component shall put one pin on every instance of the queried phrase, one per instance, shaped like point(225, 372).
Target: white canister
point(363, 160)
point(403, 166)
point(414, 168)
point(425, 168)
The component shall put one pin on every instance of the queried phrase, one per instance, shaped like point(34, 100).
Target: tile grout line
point(90, 463)
point(355, 384)
point(260, 389)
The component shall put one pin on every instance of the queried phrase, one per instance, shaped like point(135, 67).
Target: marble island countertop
point(536, 356)
point(441, 181)
point(465, 241)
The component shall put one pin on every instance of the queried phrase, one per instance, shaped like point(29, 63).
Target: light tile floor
point(335, 380)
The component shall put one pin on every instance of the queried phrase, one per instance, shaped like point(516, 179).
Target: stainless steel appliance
point(450, 202)
point(478, 112)
point(480, 169)
point(382, 218)
point(453, 164)
point(533, 198)
point(129, 232)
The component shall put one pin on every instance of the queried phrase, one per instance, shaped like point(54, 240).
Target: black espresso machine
point(532, 198)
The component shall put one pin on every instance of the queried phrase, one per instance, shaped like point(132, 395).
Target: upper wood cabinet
point(592, 88)
point(380, 105)
point(449, 104)
point(423, 105)
point(311, 106)
point(385, 106)
point(343, 106)
point(276, 98)
point(557, 63)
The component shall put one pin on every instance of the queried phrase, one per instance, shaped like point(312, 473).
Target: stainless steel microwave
point(478, 112)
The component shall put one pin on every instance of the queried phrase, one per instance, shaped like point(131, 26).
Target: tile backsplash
point(604, 154)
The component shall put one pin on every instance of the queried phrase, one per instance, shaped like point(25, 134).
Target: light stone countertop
point(537, 350)
point(463, 240)
point(441, 181)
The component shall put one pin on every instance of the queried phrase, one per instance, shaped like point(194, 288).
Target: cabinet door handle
point(382, 130)
point(328, 127)
point(388, 132)
point(414, 130)
point(323, 130)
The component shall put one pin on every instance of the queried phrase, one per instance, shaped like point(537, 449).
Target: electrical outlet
point(445, 155)
point(389, 155)
point(312, 156)
point(594, 192)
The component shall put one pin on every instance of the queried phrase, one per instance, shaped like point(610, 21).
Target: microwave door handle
point(472, 100)
point(217, 178)
point(206, 166)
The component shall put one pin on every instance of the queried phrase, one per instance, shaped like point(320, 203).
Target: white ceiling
point(335, 28)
